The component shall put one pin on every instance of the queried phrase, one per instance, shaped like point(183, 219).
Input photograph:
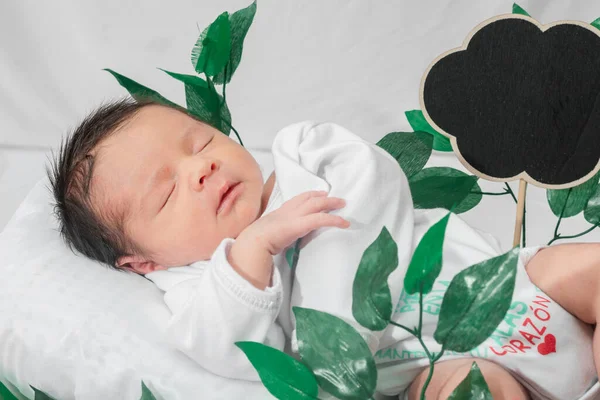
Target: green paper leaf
point(592, 208)
point(289, 256)
point(191, 80)
point(476, 301)
point(596, 23)
point(426, 262)
point(146, 393)
point(203, 101)
point(576, 201)
point(444, 187)
point(222, 119)
point(240, 22)
point(292, 254)
point(417, 121)
point(473, 387)
point(410, 149)
point(516, 9)
point(5, 393)
point(371, 298)
point(211, 51)
point(39, 395)
point(336, 353)
point(140, 92)
point(283, 376)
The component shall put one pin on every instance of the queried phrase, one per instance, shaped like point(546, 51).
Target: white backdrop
point(355, 62)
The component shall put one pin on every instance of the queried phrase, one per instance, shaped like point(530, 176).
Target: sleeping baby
point(146, 188)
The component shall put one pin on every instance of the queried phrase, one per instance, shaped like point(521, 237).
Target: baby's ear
point(138, 264)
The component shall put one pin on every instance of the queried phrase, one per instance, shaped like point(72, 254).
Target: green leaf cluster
point(6, 394)
point(334, 356)
point(216, 54)
point(436, 187)
point(566, 203)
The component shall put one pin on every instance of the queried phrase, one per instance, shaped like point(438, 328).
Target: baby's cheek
point(199, 243)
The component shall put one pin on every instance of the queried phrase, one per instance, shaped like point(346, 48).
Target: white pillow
point(75, 329)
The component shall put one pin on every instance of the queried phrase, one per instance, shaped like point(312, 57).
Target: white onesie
point(213, 307)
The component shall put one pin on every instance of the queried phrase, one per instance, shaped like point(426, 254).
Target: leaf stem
point(490, 193)
point(417, 333)
point(524, 225)
point(509, 190)
point(559, 237)
point(439, 355)
point(223, 102)
point(236, 134)
point(431, 358)
point(421, 316)
point(420, 338)
point(406, 328)
point(431, 369)
point(224, 85)
point(562, 212)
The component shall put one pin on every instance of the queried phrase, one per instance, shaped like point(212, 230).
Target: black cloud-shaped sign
point(521, 100)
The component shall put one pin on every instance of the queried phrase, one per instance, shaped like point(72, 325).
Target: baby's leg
point(570, 275)
point(449, 374)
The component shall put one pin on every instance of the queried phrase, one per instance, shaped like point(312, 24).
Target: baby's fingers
point(320, 204)
point(311, 222)
point(306, 196)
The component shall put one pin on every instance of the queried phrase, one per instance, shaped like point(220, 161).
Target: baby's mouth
point(226, 196)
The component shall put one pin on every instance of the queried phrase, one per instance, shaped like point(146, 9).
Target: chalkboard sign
point(520, 100)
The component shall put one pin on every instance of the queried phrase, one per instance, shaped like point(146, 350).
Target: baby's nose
point(203, 176)
point(201, 172)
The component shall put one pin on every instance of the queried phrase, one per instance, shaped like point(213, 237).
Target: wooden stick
point(520, 212)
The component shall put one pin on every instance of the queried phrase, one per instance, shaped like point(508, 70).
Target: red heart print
point(549, 345)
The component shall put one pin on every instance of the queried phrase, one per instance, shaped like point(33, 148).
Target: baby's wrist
point(253, 263)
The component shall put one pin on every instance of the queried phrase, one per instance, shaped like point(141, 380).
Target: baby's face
point(167, 173)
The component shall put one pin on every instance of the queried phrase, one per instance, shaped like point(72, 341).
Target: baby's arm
point(231, 300)
point(216, 307)
point(570, 275)
point(329, 157)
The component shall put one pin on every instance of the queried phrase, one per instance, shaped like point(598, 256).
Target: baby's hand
point(296, 218)
point(269, 235)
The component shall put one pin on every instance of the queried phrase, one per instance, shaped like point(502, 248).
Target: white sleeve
point(329, 157)
point(218, 308)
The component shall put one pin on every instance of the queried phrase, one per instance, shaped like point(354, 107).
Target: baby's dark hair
point(97, 234)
